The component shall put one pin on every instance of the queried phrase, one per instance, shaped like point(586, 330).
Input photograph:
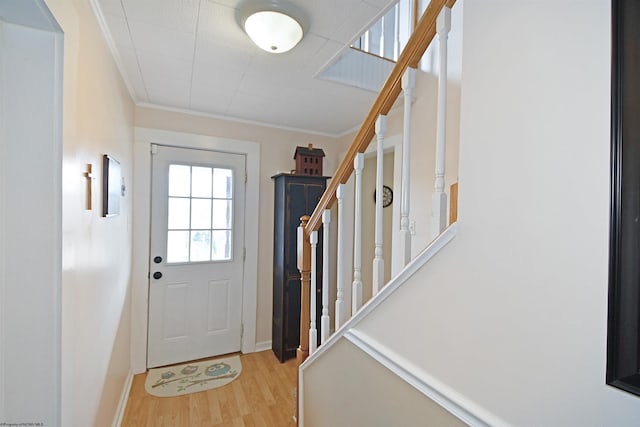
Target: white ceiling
point(193, 55)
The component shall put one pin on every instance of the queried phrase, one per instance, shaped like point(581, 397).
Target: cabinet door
point(296, 207)
point(292, 317)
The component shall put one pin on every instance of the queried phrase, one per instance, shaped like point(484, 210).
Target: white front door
point(196, 251)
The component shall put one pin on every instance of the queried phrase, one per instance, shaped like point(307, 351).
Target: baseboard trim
point(447, 398)
point(263, 345)
point(299, 407)
point(122, 404)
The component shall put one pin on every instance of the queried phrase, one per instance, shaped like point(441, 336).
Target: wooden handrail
point(417, 44)
point(453, 203)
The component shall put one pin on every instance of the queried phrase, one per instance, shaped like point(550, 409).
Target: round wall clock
point(387, 196)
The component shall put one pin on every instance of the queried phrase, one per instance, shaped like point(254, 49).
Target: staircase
point(506, 323)
point(361, 379)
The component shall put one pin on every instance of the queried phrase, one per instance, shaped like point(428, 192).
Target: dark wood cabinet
point(295, 196)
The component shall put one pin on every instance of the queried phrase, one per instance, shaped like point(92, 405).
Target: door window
point(200, 212)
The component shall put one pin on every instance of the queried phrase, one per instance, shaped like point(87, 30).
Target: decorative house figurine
point(308, 160)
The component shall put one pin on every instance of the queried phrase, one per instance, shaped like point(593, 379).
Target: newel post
point(304, 266)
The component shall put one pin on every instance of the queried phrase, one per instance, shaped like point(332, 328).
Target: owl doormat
point(192, 377)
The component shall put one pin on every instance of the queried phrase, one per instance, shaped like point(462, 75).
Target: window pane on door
point(178, 213)
point(179, 180)
point(200, 214)
point(201, 182)
point(221, 248)
point(222, 183)
point(177, 246)
point(200, 244)
point(222, 214)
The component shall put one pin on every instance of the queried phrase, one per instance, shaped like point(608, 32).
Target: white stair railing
point(439, 199)
point(408, 83)
point(378, 261)
point(340, 262)
point(404, 79)
point(356, 286)
point(313, 333)
point(439, 206)
point(326, 238)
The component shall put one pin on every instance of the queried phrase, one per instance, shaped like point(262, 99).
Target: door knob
point(157, 259)
point(157, 275)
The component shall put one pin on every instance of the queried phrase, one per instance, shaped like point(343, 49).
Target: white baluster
point(340, 264)
point(324, 320)
point(439, 199)
point(313, 332)
point(408, 84)
point(378, 261)
point(397, 48)
point(383, 30)
point(356, 300)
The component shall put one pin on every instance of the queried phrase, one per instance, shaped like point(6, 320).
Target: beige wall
point(346, 387)
point(276, 155)
point(98, 119)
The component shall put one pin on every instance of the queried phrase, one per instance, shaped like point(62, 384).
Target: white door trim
point(144, 137)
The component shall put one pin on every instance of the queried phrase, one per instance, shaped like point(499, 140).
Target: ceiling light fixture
point(273, 30)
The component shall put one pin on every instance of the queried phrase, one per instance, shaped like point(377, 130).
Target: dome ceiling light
point(272, 27)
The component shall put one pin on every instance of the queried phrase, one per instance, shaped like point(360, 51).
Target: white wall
point(96, 259)
point(30, 214)
point(513, 313)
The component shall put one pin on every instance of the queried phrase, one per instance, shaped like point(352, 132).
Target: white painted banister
point(378, 261)
point(313, 332)
point(340, 264)
point(356, 286)
point(408, 84)
point(349, 313)
point(326, 238)
point(439, 199)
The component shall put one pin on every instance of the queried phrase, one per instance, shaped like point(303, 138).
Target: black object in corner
point(623, 337)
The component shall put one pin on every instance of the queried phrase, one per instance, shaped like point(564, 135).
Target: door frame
point(143, 138)
point(36, 99)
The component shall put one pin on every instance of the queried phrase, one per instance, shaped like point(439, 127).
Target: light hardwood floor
point(261, 396)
